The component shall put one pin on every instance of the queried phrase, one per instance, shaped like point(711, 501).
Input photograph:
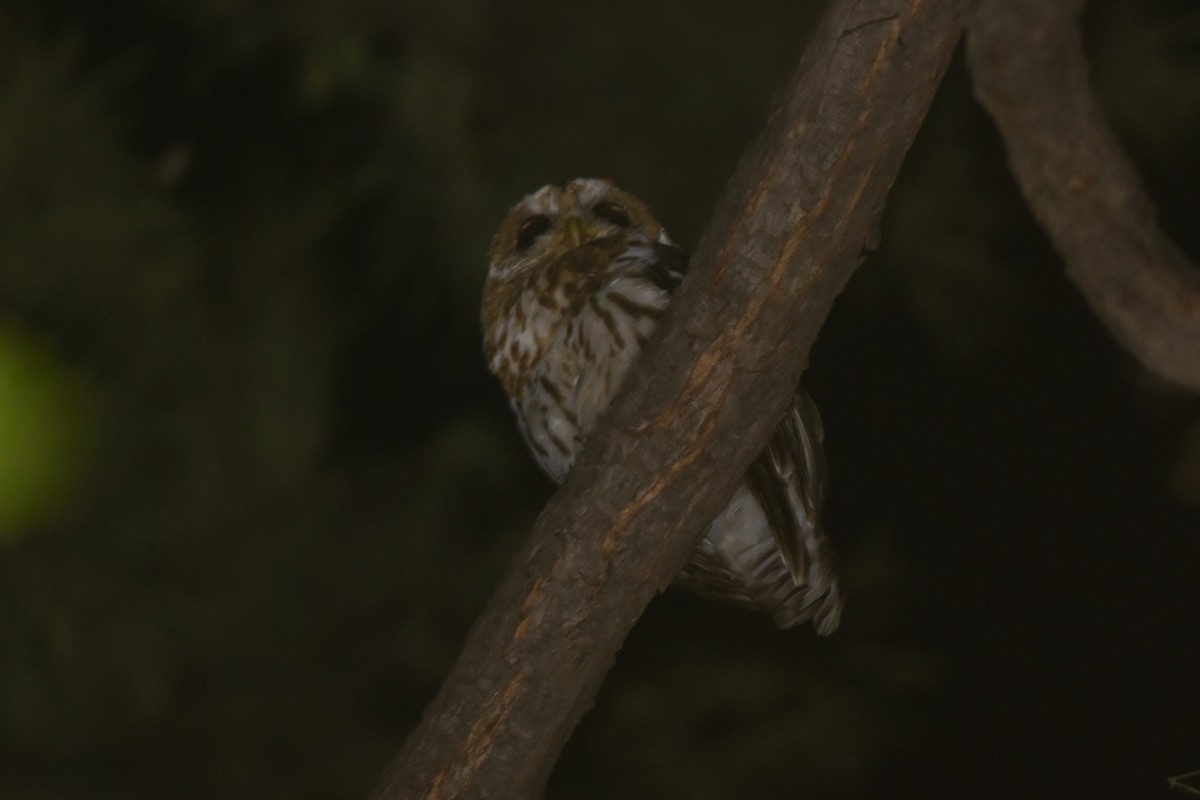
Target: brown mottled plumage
point(579, 275)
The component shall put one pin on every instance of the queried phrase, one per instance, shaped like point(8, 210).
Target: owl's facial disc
point(557, 219)
point(574, 231)
point(531, 229)
point(612, 213)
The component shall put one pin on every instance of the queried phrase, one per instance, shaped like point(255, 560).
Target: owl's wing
point(788, 480)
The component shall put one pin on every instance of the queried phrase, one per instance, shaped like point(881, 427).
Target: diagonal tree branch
point(1030, 73)
point(699, 406)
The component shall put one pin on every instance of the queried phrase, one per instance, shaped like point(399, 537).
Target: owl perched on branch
point(579, 275)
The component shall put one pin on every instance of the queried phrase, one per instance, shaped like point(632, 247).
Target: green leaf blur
point(45, 413)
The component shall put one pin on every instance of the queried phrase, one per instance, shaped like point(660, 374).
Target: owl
point(578, 277)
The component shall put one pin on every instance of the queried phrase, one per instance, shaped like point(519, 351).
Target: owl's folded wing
point(788, 480)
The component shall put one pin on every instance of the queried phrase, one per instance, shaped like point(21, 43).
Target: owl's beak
point(575, 231)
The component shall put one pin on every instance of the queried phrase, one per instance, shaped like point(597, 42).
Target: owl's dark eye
point(612, 213)
point(530, 230)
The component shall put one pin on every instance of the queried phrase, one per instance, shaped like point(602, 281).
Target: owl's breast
point(599, 336)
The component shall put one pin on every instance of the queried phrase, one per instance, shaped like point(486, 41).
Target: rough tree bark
point(785, 238)
point(1029, 70)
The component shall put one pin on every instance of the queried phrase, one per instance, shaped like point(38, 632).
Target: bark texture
point(787, 235)
point(1029, 70)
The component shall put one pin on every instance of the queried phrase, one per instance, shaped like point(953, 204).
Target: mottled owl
point(578, 277)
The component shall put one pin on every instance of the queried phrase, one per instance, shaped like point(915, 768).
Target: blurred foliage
point(45, 416)
point(255, 482)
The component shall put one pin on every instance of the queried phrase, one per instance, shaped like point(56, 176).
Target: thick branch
point(699, 406)
point(1030, 73)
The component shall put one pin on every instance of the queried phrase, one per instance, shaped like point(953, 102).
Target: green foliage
point(44, 437)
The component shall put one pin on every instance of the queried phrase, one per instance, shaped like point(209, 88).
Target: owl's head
point(556, 219)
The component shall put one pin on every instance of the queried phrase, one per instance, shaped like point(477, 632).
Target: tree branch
point(1030, 73)
point(699, 406)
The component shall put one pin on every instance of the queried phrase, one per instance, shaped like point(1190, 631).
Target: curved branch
point(698, 407)
point(1030, 73)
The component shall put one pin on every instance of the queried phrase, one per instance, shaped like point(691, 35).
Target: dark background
point(255, 482)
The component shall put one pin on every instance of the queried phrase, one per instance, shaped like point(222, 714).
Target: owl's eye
point(530, 230)
point(612, 214)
